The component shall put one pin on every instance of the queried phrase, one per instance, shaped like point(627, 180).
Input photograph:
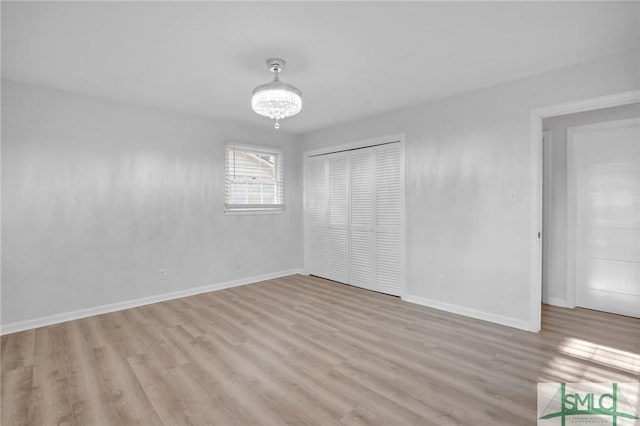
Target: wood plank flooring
point(302, 350)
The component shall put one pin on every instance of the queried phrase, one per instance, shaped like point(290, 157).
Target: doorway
point(553, 178)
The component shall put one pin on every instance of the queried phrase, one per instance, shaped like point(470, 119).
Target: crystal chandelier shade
point(277, 99)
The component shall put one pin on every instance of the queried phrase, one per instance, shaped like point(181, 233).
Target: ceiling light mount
point(276, 99)
point(276, 64)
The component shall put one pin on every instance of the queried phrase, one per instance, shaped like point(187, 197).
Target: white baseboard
point(119, 306)
point(557, 301)
point(469, 312)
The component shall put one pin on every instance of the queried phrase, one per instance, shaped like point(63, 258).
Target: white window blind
point(254, 178)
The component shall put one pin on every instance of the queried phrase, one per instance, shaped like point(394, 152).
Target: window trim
point(251, 209)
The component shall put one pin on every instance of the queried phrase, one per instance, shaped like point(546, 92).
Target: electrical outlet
point(162, 274)
point(441, 280)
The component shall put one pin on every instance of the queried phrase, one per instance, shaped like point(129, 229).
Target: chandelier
point(277, 99)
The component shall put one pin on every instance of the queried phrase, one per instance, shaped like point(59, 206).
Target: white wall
point(554, 271)
point(98, 196)
point(467, 168)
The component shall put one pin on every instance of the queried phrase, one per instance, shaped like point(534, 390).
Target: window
point(254, 178)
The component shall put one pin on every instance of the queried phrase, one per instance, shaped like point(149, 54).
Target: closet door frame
point(382, 140)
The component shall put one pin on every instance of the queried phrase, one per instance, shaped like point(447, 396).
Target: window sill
point(236, 212)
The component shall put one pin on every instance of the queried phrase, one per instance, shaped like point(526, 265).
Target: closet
point(354, 217)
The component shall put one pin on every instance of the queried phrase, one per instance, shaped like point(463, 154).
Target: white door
point(354, 203)
point(388, 219)
point(606, 160)
point(338, 194)
point(362, 194)
point(317, 214)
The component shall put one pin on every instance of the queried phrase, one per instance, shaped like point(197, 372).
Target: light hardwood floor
point(302, 350)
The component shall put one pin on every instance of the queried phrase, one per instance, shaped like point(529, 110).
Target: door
point(328, 217)
point(338, 194)
point(362, 230)
point(388, 219)
point(606, 158)
point(354, 216)
point(317, 213)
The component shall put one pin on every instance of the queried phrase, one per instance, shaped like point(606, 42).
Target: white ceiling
point(350, 59)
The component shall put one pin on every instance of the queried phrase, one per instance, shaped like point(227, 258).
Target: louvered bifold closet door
point(362, 204)
point(318, 217)
point(388, 218)
point(355, 217)
point(338, 265)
